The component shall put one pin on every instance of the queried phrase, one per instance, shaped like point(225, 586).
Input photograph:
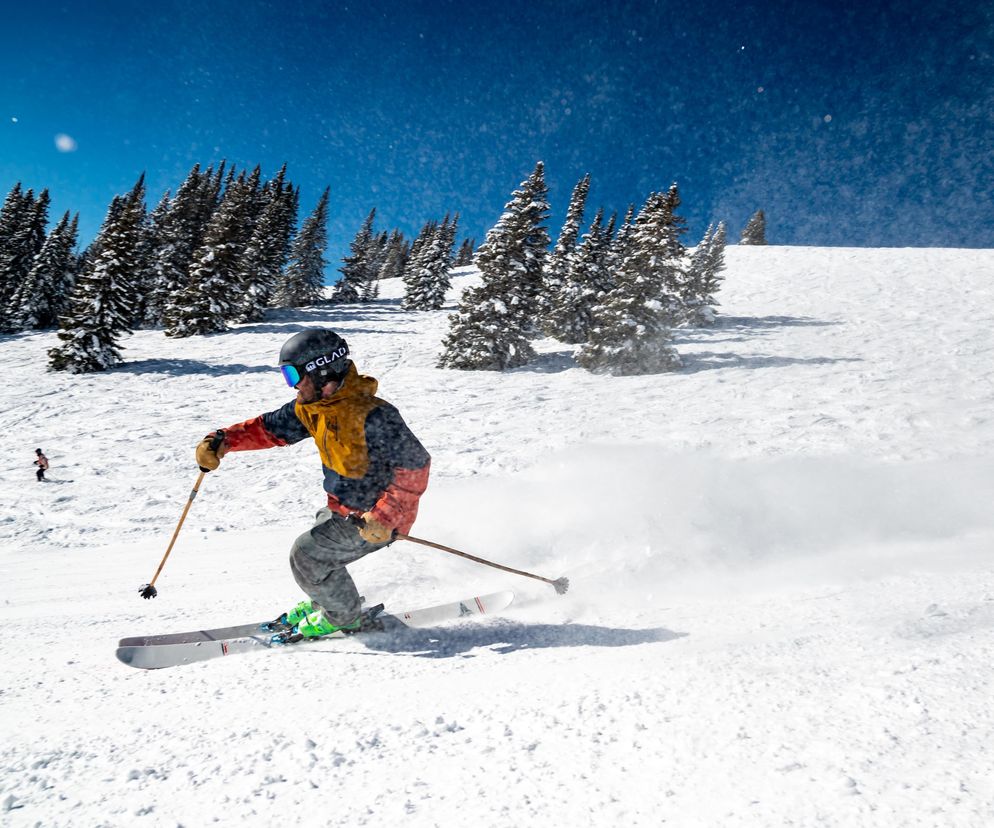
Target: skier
point(375, 471)
point(41, 461)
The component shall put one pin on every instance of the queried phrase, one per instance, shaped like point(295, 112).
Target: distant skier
point(374, 468)
point(41, 461)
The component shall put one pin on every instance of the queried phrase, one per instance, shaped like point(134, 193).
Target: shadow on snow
point(184, 367)
point(746, 327)
point(508, 637)
point(709, 361)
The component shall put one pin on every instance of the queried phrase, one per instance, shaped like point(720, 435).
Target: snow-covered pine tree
point(38, 300)
point(608, 234)
point(212, 186)
point(396, 254)
point(690, 292)
point(15, 205)
point(427, 231)
point(489, 331)
point(354, 270)
point(465, 255)
point(303, 282)
point(102, 304)
point(528, 249)
point(585, 284)
point(632, 330)
point(416, 272)
point(620, 243)
point(256, 270)
point(444, 261)
point(10, 217)
point(145, 277)
point(607, 254)
point(704, 277)
point(558, 262)
point(675, 225)
point(412, 265)
point(673, 262)
point(207, 303)
point(377, 256)
point(65, 286)
point(177, 233)
point(427, 285)
point(19, 254)
point(264, 256)
point(755, 230)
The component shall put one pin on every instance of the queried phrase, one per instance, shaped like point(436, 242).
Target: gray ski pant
point(318, 559)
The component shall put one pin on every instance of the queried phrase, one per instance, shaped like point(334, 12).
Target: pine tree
point(38, 301)
point(528, 249)
point(374, 263)
point(755, 231)
point(703, 277)
point(412, 265)
point(607, 254)
point(303, 282)
point(427, 231)
point(177, 234)
point(429, 283)
point(489, 331)
point(102, 305)
point(264, 256)
point(671, 262)
point(620, 245)
point(355, 269)
point(586, 283)
point(92, 252)
point(10, 217)
point(465, 255)
point(151, 240)
point(65, 286)
point(20, 252)
point(558, 262)
point(396, 254)
point(444, 261)
point(632, 324)
point(208, 301)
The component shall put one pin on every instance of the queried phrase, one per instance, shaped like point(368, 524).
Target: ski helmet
point(318, 353)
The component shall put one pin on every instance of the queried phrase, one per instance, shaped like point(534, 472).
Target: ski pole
point(561, 584)
point(148, 590)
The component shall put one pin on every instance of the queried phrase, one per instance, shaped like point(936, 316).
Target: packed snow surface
point(782, 602)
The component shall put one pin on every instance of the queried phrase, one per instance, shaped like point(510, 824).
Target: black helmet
point(318, 353)
point(37, 451)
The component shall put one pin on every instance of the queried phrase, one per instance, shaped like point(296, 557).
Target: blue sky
point(867, 123)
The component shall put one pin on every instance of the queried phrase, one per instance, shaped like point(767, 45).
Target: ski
point(216, 634)
point(156, 652)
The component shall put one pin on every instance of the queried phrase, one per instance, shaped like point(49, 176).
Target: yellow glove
point(208, 457)
point(372, 531)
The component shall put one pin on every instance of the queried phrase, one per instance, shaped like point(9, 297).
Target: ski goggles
point(292, 375)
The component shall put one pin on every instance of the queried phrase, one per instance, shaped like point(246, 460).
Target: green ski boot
point(290, 619)
point(316, 624)
point(297, 614)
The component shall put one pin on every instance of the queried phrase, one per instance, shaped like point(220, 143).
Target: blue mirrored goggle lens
point(290, 374)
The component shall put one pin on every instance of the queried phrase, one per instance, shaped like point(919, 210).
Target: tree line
point(224, 248)
point(617, 291)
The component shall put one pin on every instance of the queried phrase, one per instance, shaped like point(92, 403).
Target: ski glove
point(372, 531)
point(210, 450)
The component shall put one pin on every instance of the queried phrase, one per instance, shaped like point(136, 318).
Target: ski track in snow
point(782, 601)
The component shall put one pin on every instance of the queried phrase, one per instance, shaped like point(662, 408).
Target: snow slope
point(782, 608)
